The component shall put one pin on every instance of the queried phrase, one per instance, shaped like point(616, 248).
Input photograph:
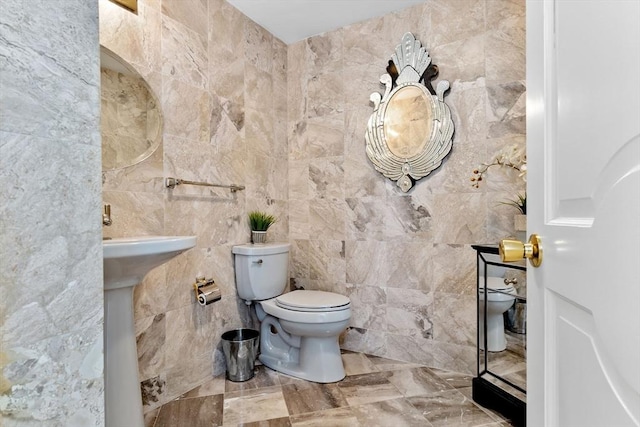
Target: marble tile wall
point(51, 303)
point(405, 260)
point(221, 81)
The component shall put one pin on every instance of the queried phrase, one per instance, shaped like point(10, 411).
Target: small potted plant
point(260, 223)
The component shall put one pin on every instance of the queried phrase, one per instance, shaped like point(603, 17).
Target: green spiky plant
point(520, 203)
point(260, 221)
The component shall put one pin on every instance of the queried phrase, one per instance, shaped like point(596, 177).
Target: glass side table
point(501, 378)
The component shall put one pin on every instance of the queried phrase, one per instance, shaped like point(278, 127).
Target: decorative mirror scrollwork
point(409, 133)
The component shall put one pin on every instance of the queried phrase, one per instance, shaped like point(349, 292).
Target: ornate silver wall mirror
point(409, 133)
point(130, 119)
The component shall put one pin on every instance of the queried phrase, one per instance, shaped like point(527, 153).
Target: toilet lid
point(313, 301)
point(496, 284)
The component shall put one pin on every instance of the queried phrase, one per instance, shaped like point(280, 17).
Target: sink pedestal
point(122, 386)
point(126, 262)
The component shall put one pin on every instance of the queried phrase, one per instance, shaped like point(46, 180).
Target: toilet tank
point(261, 270)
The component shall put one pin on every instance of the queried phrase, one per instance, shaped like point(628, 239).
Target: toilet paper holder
point(206, 291)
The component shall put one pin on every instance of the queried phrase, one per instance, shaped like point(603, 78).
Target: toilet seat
point(496, 284)
point(312, 301)
point(497, 290)
point(333, 314)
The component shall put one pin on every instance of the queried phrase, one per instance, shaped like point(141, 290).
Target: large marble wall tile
point(226, 67)
point(369, 307)
point(326, 178)
point(458, 218)
point(189, 331)
point(324, 136)
point(190, 13)
point(259, 132)
point(454, 176)
point(299, 259)
point(452, 21)
point(41, 241)
point(50, 244)
point(462, 62)
point(410, 312)
point(367, 263)
point(299, 220)
point(327, 219)
point(364, 340)
point(184, 54)
point(325, 51)
point(152, 296)
point(258, 49)
point(64, 73)
point(125, 221)
point(468, 110)
point(384, 218)
point(505, 41)
point(135, 38)
point(454, 266)
point(458, 329)
point(258, 90)
point(188, 110)
point(68, 365)
point(327, 261)
point(325, 94)
point(150, 340)
point(298, 179)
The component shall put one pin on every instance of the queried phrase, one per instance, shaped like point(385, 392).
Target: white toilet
point(500, 296)
point(299, 330)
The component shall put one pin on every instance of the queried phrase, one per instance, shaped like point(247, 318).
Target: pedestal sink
point(126, 262)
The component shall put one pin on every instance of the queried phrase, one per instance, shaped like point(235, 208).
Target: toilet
point(500, 296)
point(299, 330)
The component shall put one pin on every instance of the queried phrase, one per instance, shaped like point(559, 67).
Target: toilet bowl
point(500, 297)
point(299, 330)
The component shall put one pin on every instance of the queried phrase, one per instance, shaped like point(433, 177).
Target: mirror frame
point(410, 65)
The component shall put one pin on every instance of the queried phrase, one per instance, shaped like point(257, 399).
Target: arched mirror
point(130, 119)
point(410, 130)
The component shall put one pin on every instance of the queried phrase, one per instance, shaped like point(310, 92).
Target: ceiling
point(295, 20)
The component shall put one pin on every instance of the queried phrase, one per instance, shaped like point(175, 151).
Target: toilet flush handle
point(258, 262)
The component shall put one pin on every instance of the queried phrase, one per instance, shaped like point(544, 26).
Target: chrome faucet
point(106, 215)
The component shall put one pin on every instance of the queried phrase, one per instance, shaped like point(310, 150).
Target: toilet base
point(326, 369)
point(496, 340)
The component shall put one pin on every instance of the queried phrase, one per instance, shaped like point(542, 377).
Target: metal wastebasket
point(516, 317)
point(240, 348)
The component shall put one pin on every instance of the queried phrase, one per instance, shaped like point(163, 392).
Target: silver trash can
point(516, 317)
point(240, 348)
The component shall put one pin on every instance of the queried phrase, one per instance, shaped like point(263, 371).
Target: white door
point(583, 142)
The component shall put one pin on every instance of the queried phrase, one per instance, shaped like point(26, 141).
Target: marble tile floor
point(376, 392)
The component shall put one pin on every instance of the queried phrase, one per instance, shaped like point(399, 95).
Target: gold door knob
point(514, 250)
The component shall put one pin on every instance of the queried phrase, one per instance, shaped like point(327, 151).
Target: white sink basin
point(127, 260)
